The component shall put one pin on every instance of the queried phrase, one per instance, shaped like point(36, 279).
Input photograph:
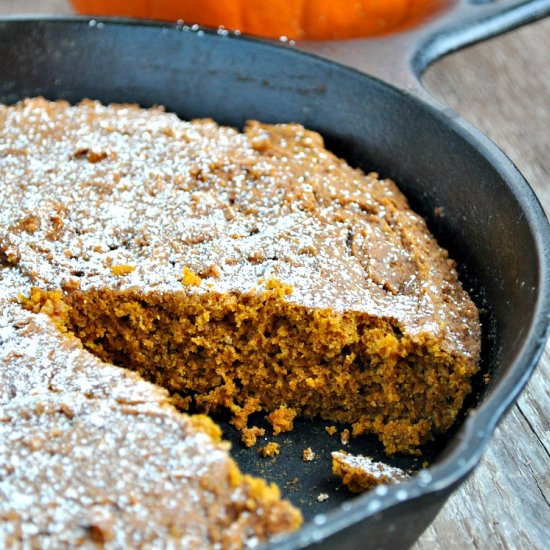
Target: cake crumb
point(282, 289)
point(122, 269)
point(181, 403)
point(292, 483)
point(322, 497)
point(331, 430)
point(190, 278)
point(250, 435)
point(360, 473)
point(70, 284)
point(271, 449)
point(344, 437)
point(308, 455)
point(282, 420)
point(256, 256)
point(211, 270)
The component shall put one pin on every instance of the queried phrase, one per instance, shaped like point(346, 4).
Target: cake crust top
point(120, 197)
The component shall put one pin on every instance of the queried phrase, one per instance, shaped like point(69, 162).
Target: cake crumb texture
point(308, 455)
point(250, 435)
point(272, 449)
point(344, 436)
point(92, 453)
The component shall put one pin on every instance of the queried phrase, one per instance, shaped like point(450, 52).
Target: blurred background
point(294, 19)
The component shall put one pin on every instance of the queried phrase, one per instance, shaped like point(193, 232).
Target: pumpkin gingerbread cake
point(252, 271)
point(361, 473)
point(93, 456)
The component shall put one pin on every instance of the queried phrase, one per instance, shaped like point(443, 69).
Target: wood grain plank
point(505, 503)
point(534, 401)
point(503, 87)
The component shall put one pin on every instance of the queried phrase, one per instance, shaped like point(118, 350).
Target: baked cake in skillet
point(93, 456)
point(250, 271)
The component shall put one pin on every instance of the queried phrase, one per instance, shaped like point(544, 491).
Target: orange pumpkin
point(295, 19)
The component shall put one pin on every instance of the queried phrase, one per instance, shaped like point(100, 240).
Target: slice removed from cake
point(91, 454)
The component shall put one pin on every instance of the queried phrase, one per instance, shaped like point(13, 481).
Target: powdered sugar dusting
point(91, 452)
point(91, 187)
point(362, 472)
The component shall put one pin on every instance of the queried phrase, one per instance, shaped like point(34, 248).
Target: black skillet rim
point(475, 432)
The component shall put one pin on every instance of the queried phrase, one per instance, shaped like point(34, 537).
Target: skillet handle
point(401, 58)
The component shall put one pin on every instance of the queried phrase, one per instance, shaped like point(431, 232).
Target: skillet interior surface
point(486, 215)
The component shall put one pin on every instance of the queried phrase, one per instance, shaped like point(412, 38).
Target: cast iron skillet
point(491, 223)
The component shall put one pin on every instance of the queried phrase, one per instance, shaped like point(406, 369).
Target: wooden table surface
point(503, 87)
